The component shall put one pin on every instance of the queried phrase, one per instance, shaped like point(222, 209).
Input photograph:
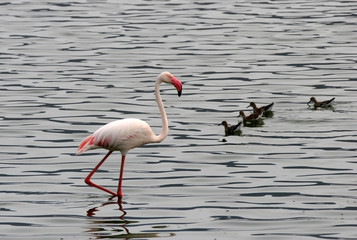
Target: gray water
point(67, 68)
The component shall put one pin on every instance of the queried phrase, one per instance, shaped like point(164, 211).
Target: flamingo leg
point(90, 183)
point(119, 192)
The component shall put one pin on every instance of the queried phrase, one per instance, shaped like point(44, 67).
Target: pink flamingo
point(123, 135)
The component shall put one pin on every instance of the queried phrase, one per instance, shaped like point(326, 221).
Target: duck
point(262, 108)
point(251, 117)
point(252, 120)
point(323, 104)
point(232, 129)
point(267, 110)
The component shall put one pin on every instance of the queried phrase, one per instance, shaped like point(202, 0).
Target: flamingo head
point(169, 78)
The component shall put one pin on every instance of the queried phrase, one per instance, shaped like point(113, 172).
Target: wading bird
point(123, 135)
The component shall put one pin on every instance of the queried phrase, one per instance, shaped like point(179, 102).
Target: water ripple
point(68, 68)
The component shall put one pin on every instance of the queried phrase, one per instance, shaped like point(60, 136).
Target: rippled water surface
point(69, 67)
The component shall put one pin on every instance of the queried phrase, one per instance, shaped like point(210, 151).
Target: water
point(68, 68)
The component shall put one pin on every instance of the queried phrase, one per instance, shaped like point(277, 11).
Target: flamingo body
point(120, 135)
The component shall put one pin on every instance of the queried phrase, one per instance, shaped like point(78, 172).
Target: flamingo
point(123, 135)
point(323, 104)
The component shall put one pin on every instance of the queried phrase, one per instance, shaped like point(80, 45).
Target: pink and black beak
point(177, 84)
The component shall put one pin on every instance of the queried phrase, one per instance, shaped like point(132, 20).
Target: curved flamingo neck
point(165, 125)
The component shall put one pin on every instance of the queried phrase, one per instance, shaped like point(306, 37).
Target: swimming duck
point(323, 104)
point(252, 120)
point(267, 110)
point(251, 117)
point(232, 129)
point(262, 108)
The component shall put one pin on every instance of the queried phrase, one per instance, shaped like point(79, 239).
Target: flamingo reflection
point(118, 221)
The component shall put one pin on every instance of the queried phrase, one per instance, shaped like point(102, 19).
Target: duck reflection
point(115, 225)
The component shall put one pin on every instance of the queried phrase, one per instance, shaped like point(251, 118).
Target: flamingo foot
point(90, 183)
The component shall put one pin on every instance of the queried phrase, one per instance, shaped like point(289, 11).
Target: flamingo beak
point(177, 84)
point(179, 92)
